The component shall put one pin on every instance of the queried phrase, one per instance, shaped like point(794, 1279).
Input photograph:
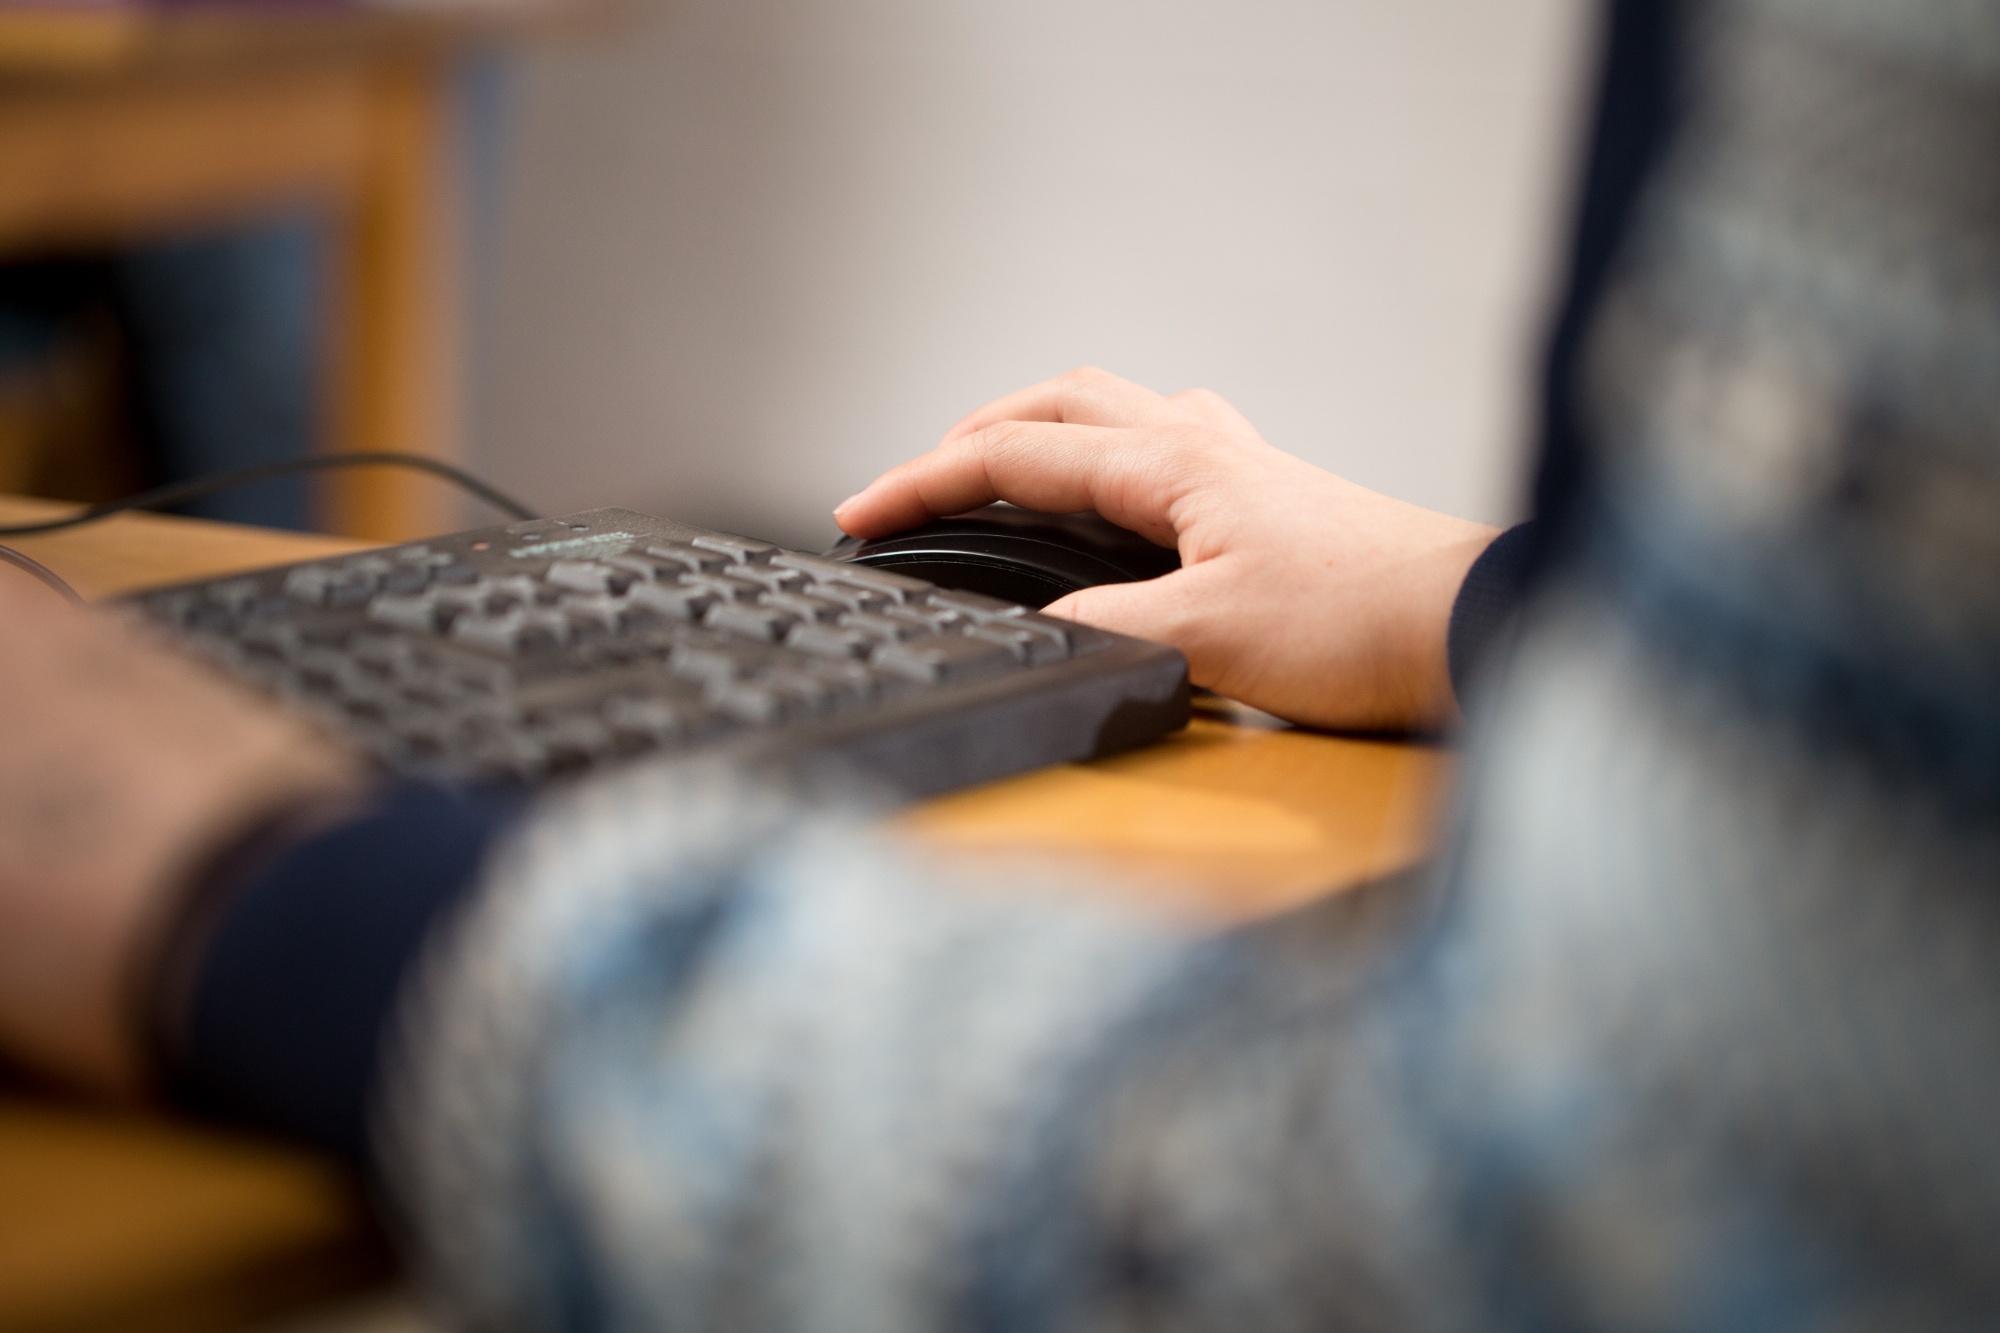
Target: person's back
point(1694, 1023)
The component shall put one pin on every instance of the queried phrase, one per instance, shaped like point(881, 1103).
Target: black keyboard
point(553, 647)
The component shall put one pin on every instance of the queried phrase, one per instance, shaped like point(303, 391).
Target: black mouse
point(1017, 555)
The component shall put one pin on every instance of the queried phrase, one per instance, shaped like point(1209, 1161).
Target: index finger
point(1083, 397)
point(1131, 477)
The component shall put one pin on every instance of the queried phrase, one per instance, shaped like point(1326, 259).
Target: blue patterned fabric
point(1694, 1024)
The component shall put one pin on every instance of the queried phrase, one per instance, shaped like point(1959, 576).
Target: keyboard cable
point(180, 492)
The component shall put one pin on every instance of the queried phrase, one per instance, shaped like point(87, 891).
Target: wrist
point(74, 1011)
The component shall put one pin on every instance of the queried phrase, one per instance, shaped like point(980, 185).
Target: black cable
point(180, 492)
point(40, 571)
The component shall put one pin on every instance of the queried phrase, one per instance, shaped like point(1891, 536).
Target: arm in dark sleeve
point(277, 992)
point(1493, 590)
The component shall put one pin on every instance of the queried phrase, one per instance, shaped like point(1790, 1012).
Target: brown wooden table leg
point(396, 359)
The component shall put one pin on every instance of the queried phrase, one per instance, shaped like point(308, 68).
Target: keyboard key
point(497, 596)
point(975, 605)
point(775, 577)
point(818, 568)
point(275, 639)
point(841, 685)
point(369, 707)
point(884, 629)
point(759, 705)
point(268, 608)
point(852, 596)
point(830, 641)
point(389, 653)
point(945, 659)
point(652, 720)
point(351, 590)
point(737, 548)
point(309, 584)
point(477, 678)
point(896, 587)
point(457, 601)
point(236, 594)
point(928, 619)
point(681, 601)
point(590, 576)
point(419, 613)
point(324, 671)
point(690, 558)
point(644, 569)
point(329, 633)
point(708, 663)
point(520, 630)
point(763, 623)
point(608, 614)
point(803, 606)
point(408, 579)
point(725, 587)
point(1030, 643)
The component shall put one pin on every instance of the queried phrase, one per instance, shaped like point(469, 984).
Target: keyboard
point(537, 651)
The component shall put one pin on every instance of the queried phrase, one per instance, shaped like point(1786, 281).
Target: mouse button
point(1065, 563)
point(1008, 581)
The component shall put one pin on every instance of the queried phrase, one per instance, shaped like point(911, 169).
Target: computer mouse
point(1017, 555)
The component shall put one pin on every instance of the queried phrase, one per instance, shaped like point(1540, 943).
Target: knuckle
point(999, 438)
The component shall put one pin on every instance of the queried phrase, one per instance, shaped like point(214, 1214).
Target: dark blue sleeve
point(291, 974)
point(1486, 601)
point(1636, 105)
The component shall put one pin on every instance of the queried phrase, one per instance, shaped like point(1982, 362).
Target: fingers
point(1131, 477)
point(1084, 440)
point(1085, 397)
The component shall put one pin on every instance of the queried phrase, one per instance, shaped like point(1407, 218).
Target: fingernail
point(837, 509)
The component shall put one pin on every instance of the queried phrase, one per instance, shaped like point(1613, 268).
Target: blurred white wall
point(750, 252)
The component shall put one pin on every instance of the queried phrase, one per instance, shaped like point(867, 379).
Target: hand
point(1300, 593)
point(123, 766)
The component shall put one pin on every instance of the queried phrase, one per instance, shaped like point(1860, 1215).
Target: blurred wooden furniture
point(114, 1221)
point(120, 122)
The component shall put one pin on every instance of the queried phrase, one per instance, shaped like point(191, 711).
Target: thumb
point(1159, 609)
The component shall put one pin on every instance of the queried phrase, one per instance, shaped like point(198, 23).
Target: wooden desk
point(105, 1216)
point(120, 122)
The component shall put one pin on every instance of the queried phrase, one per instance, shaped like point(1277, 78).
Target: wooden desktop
point(117, 1220)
